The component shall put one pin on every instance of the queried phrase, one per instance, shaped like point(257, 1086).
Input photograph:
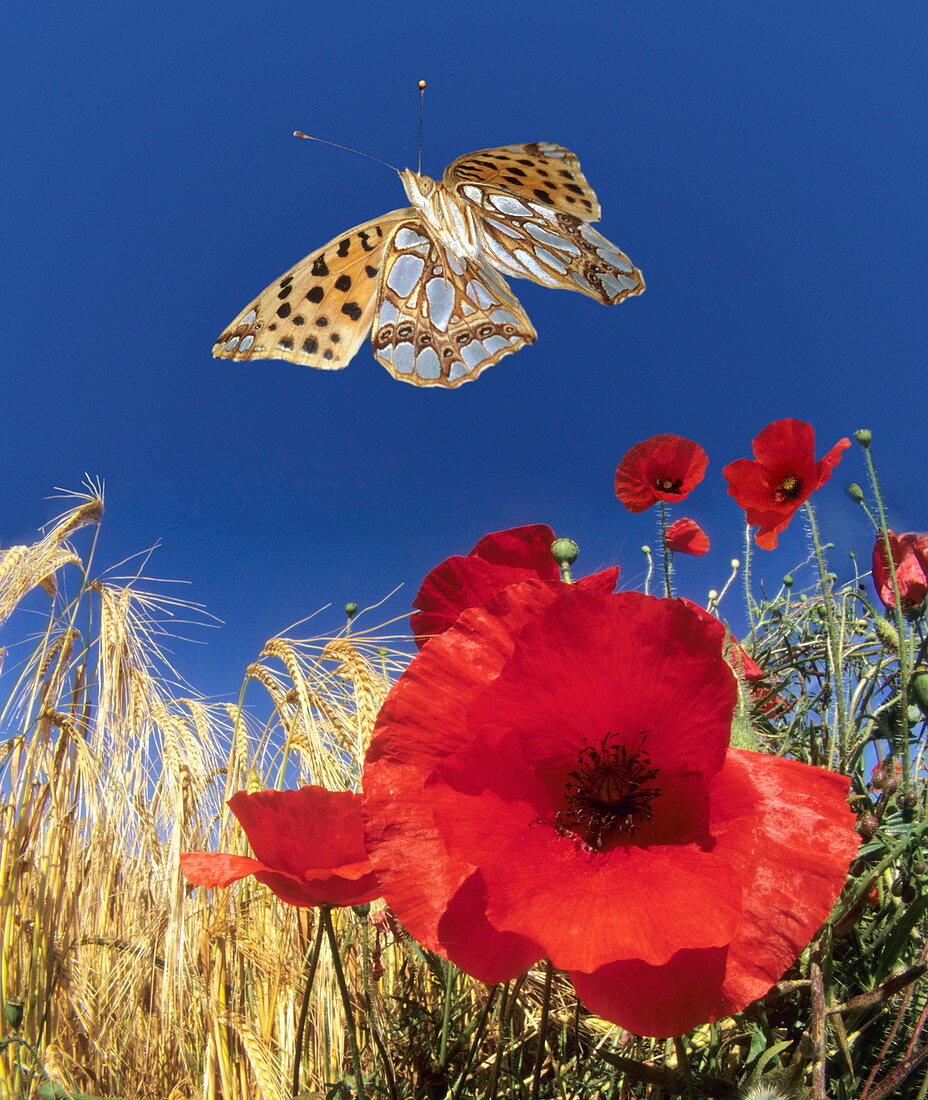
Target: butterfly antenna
point(309, 137)
point(421, 119)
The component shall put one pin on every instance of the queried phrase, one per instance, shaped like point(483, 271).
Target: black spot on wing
point(352, 310)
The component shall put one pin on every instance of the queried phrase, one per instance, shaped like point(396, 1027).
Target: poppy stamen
point(607, 793)
point(668, 484)
point(789, 488)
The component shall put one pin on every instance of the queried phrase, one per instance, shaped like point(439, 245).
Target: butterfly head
point(420, 189)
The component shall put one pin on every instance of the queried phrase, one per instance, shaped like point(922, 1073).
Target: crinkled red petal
point(687, 537)
point(526, 547)
point(662, 456)
point(788, 831)
point(298, 831)
point(422, 722)
point(212, 869)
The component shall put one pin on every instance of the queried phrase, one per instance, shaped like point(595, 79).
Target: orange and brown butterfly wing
point(441, 318)
point(539, 171)
point(320, 311)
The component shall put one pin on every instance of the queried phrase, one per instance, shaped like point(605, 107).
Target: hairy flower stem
point(749, 605)
point(304, 1007)
point(369, 1006)
point(542, 1030)
point(446, 1015)
point(834, 645)
point(905, 657)
point(479, 1032)
point(326, 917)
point(666, 552)
point(683, 1065)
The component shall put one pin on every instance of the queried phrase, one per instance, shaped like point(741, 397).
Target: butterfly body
point(427, 281)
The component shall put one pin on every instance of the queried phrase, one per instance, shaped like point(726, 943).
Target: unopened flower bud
point(908, 894)
point(788, 581)
point(13, 1010)
point(919, 686)
point(855, 492)
point(886, 632)
point(919, 867)
point(898, 886)
point(867, 825)
point(362, 911)
point(908, 800)
point(564, 551)
point(863, 436)
point(351, 609)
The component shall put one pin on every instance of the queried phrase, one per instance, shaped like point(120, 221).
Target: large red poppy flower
point(687, 537)
point(910, 558)
point(664, 467)
point(783, 475)
point(309, 844)
point(498, 560)
point(552, 777)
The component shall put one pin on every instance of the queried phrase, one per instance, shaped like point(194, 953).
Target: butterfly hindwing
point(320, 311)
point(442, 318)
point(533, 240)
point(540, 172)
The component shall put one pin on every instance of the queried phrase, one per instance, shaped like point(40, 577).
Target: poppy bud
point(867, 825)
point(13, 1010)
point(898, 886)
point(908, 894)
point(908, 800)
point(887, 634)
point(855, 492)
point(564, 551)
point(362, 911)
point(351, 609)
point(788, 581)
point(863, 436)
point(920, 867)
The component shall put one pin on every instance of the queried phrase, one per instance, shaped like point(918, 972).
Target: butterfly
point(428, 281)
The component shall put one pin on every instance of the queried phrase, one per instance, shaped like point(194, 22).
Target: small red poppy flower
point(687, 537)
point(309, 844)
point(552, 777)
point(910, 558)
point(498, 560)
point(782, 476)
point(664, 467)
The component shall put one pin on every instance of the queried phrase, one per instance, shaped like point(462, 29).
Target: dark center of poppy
point(668, 484)
point(789, 488)
point(607, 793)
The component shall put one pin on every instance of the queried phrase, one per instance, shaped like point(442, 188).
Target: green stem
point(475, 1042)
point(304, 1007)
point(905, 663)
point(446, 1015)
point(543, 1025)
point(746, 577)
point(371, 1014)
point(834, 644)
point(666, 552)
point(326, 915)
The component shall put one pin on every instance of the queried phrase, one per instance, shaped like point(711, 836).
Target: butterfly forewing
point(539, 171)
point(442, 318)
point(320, 311)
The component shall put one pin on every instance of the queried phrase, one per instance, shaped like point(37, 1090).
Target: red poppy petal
point(687, 537)
point(787, 829)
point(604, 581)
point(683, 696)
point(785, 443)
point(588, 908)
point(212, 869)
point(468, 939)
point(457, 584)
point(522, 547)
point(422, 722)
point(834, 457)
point(657, 1000)
point(331, 890)
point(296, 831)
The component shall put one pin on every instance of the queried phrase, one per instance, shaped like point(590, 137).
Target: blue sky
point(763, 165)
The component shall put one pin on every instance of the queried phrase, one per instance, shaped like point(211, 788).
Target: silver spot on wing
point(405, 273)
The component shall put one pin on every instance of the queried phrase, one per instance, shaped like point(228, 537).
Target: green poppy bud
point(867, 825)
point(13, 1010)
point(919, 686)
point(886, 632)
point(855, 492)
point(788, 581)
point(564, 551)
point(863, 436)
point(351, 609)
